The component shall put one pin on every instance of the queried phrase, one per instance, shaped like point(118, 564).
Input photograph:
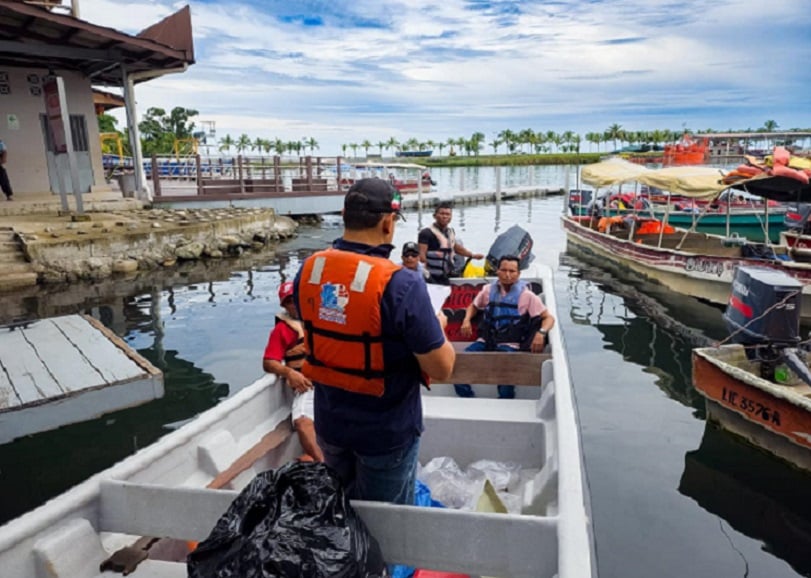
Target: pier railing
point(244, 175)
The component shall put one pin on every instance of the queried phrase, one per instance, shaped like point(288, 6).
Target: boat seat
point(154, 569)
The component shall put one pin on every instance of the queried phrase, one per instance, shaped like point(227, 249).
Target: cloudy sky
point(343, 72)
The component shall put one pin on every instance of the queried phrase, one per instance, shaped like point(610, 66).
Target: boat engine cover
point(764, 307)
point(514, 241)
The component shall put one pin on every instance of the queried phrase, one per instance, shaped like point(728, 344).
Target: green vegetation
point(517, 159)
point(165, 133)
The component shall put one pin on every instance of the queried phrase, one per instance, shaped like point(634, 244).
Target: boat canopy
point(688, 181)
point(776, 188)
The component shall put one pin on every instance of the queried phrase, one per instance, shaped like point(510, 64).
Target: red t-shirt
point(281, 339)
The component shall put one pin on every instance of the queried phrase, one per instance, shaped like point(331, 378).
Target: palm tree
point(552, 137)
point(770, 126)
point(614, 133)
point(354, 147)
point(343, 148)
point(392, 144)
point(295, 145)
point(226, 143)
point(451, 142)
point(440, 145)
point(476, 140)
point(508, 138)
point(256, 145)
point(495, 144)
point(312, 144)
point(381, 144)
point(243, 143)
point(366, 146)
point(280, 146)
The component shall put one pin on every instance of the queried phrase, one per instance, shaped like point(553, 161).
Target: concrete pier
point(412, 200)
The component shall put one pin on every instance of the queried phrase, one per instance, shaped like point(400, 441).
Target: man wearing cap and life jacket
point(438, 245)
point(411, 258)
point(370, 335)
point(284, 356)
point(514, 319)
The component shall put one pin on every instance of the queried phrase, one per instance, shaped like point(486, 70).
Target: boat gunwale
point(783, 392)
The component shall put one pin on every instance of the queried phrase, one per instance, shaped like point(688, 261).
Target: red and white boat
point(406, 177)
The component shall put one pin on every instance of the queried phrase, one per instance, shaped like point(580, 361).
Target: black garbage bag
point(291, 522)
point(514, 241)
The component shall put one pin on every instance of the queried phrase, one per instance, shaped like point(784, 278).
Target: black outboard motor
point(763, 315)
point(514, 241)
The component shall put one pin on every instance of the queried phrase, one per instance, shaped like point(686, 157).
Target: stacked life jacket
point(295, 353)
point(502, 323)
point(339, 298)
point(440, 261)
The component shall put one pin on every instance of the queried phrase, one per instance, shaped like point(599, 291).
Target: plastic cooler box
point(435, 574)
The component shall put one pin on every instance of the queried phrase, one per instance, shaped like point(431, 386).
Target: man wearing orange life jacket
point(286, 344)
point(370, 333)
point(438, 246)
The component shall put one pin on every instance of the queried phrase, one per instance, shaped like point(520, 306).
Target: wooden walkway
point(65, 370)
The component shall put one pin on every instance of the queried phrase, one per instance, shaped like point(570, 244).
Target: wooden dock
point(65, 370)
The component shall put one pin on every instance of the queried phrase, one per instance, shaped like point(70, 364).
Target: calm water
point(671, 495)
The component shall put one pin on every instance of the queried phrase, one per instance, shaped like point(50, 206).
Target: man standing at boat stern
point(438, 246)
point(371, 334)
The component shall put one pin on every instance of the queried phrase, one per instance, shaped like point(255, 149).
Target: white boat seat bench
point(422, 537)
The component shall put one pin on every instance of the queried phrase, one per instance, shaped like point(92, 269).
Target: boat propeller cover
point(514, 241)
point(764, 307)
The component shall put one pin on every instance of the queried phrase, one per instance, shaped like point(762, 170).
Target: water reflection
point(637, 327)
point(753, 492)
point(37, 467)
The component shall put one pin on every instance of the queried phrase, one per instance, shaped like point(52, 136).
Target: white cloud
point(375, 69)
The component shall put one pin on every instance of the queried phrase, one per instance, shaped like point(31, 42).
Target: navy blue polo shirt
point(376, 425)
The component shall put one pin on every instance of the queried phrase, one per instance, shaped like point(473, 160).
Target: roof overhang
point(32, 36)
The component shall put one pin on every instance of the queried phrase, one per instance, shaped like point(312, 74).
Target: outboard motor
point(763, 315)
point(514, 241)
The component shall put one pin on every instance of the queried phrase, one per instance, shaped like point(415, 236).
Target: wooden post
point(277, 172)
point(156, 181)
point(338, 173)
point(308, 167)
point(262, 162)
point(241, 180)
point(199, 175)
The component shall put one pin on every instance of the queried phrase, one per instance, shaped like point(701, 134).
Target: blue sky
point(342, 72)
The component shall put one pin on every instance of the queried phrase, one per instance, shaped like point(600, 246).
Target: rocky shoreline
point(65, 250)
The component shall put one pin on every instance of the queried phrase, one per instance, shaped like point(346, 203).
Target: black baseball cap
point(411, 247)
point(373, 195)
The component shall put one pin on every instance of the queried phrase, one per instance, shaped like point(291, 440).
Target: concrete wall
point(26, 165)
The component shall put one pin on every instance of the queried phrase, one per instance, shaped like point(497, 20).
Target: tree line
point(173, 132)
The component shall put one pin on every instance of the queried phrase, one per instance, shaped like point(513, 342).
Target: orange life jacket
point(294, 355)
point(339, 298)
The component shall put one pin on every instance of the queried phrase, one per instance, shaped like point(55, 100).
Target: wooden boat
point(759, 386)
point(776, 417)
point(696, 264)
point(177, 488)
point(406, 177)
point(715, 211)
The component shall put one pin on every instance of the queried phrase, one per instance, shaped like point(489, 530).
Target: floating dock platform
point(64, 370)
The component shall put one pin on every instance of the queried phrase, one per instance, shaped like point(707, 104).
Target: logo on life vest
point(334, 298)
